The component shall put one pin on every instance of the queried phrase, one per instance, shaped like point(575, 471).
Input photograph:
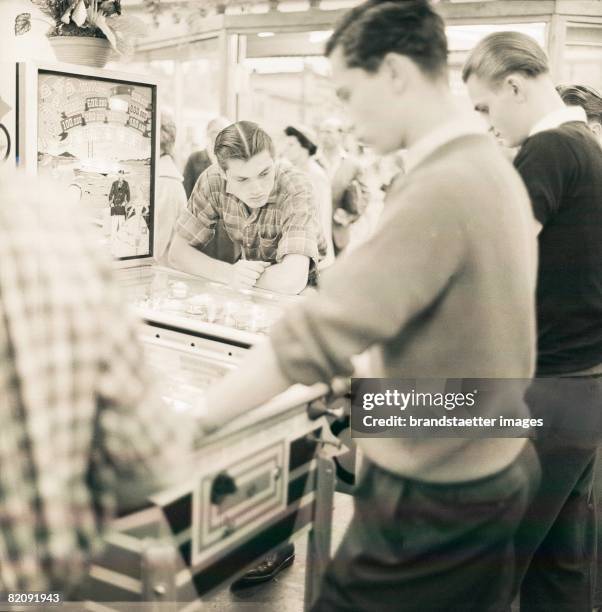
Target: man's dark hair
point(303, 140)
point(241, 140)
point(586, 97)
point(408, 27)
point(503, 53)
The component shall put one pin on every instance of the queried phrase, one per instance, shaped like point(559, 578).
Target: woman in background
point(299, 148)
point(170, 197)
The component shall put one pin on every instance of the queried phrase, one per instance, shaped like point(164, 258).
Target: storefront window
point(281, 82)
point(583, 55)
point(284, 90)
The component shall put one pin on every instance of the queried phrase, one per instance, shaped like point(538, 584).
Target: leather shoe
point(268, 568)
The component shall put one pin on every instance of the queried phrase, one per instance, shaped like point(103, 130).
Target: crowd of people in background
point(349, 180)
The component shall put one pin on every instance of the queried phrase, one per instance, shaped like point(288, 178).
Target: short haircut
point(167, 135)
point(377, 27)
point(503, 53)
point(217, 124)
point(303, 140)
point(241, 140)
point(586, 97)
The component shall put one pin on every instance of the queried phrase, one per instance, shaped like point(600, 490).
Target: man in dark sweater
point(560, 161)
point(445, 288)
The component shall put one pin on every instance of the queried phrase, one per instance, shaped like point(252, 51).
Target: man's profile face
point(371, 102)
point(251, 181)
point(500, 109)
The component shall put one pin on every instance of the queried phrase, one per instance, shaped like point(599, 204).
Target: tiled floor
point(285, 592)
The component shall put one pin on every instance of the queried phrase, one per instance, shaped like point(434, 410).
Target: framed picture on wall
point(95, 132)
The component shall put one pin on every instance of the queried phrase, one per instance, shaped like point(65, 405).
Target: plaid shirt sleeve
point(301, 234)
point(196, 223)
point(81, 424)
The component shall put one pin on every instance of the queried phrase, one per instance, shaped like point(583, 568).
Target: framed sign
point(95, 132)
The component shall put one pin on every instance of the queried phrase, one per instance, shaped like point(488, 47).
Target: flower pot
point(83, 50)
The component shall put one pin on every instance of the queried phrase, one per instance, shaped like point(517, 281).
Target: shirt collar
point(557, 118)
point(440, 136)
point(275, 193)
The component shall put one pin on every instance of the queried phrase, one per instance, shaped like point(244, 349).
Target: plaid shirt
point(287, 224)
point(78, 419)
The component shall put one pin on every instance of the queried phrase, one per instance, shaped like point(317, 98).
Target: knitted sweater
point(443, 289)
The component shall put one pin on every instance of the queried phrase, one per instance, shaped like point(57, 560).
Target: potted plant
point(86, 31)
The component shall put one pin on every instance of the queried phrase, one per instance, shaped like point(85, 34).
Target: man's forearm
point(187, 259)
point(258, 379)
point(284, 278)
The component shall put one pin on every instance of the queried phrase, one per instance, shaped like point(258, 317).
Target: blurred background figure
point(588, 99)
point(347, 181)
point(300, 148)
point(388, 169)
point(199, 161)
point(84, 436)
point(170, 197)
point(380, 172)
point(221, 247)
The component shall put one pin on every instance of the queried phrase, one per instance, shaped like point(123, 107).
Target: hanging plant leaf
point(79, 14)
point(22, 24)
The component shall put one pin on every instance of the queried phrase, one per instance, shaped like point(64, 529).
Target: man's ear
point(596, 128)
point(516, 86)
point(397, 68)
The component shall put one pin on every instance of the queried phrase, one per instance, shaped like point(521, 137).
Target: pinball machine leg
point(159, 576)
point(318, 543)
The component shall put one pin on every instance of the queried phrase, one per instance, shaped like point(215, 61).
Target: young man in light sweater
point(509, 81)
point(443, 289)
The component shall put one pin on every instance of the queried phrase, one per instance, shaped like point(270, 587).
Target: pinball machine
point(264, 479)
point(260, 481)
